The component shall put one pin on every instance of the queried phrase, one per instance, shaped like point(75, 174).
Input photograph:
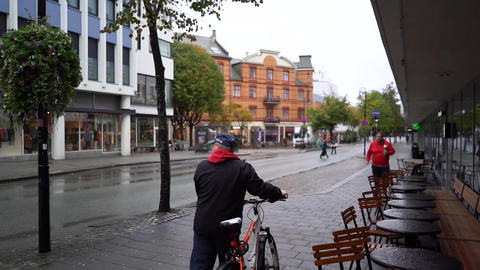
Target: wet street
point(106, 196)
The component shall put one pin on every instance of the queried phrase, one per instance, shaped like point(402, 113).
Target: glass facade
point(146, 92)
point(144, 132)
point(451, 135)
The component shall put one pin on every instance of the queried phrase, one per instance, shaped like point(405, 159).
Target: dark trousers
point(206, 248)
point(334, 149)
point(380, 171)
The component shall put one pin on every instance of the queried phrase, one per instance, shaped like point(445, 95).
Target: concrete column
point(125, 129)
point(119, 52)
point(58, 137)
point(278, 134)
point(83, 42)
point(102, 44)
point(12, 18)
point(249, 132)
point(64, 15)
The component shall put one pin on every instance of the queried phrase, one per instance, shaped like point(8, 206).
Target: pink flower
point(32, 64)
point(10, 81)
point(25, 64)
point(21, 83)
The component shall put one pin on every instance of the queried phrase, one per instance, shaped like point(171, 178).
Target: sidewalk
point(19, 170)
point(164, 241)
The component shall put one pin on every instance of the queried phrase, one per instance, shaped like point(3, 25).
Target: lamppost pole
point(364, 117)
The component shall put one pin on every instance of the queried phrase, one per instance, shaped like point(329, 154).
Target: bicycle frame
point(255, 229)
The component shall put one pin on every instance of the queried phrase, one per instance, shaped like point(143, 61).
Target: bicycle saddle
point(234, 222)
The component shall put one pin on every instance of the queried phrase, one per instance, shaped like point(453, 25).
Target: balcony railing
point(271, 100)
point(275, 119)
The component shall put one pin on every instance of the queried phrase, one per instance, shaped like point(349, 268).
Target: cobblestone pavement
point(164, 241)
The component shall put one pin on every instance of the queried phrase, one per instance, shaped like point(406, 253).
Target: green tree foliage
point(39, 68)
point(326, 115)
point(398, 124)
point(199, 84)
point(158, 16)
point(243, 116)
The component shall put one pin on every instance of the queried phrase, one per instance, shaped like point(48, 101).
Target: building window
point(126, 6)
point(146, 92)
point(286, 76)
point(308, 77)
point(165, 48)
point(269, 93)
point(139, 42)
point(221, 67)
point(3, 24)
point(236, 91)
point(286, 94)
point(93, 7)
point(151, 92)
point(301, 95)
point(253, 92)
point(92, 59)
point(269, 74)
point(253, 111)
point(285, 113)
point(74, 4)
point(75, 41)
point(270, 113)
point(126, 66)
point(110, 63)
point(22, 22)
point(252, 73)
point(301, 114)
point(110, 10)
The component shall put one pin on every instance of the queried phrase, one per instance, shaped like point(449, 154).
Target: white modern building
point(114, 110)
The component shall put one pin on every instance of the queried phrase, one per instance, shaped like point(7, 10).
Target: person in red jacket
point(380, 151)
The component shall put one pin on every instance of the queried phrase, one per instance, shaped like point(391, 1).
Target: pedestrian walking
point(323, 145)
point(334, 147)
point(379, 151)
point(221, 182)
point(407, 137)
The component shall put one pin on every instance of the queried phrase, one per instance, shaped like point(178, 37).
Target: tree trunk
point(165, 175)
point(191, 135)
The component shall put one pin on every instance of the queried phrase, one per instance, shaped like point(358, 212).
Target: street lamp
point(364, 117)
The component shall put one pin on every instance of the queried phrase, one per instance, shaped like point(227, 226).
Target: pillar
point(278, 134)
point(125, 137)
point(58, 137)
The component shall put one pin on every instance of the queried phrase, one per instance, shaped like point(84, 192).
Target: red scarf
point(221, 155)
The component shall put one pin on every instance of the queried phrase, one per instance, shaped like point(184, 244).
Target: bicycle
point(264, 254)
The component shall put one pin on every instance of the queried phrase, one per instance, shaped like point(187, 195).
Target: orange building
point(276, 90)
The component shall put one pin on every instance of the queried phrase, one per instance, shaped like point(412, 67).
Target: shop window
point(111, 132)
point(145, 131)
point(110, 63)
point(10, 138)
point(92, 59)
point(126, 66)
point(133, 132)
point(72, 136)
point(89, 131)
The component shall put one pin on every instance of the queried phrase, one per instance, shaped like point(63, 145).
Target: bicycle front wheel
point(267, 256)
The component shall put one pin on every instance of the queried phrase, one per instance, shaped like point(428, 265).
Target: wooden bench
point(460, 235)
point(454, 195)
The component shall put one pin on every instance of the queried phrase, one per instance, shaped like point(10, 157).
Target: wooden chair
point(401, 164)
point(360, 233)
point(433, 171)
point(331, 253)
point(409, 167)
point(370, 205)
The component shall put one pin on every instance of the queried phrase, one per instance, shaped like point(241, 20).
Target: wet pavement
point(164, 241)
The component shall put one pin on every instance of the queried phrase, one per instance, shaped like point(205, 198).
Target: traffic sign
point(375, 113)
point(364, 123)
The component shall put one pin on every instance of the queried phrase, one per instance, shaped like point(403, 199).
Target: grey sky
point(341, 36)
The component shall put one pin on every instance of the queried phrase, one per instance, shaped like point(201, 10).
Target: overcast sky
point(341, 36)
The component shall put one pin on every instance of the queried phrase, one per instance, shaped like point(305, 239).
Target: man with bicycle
point(221, 183)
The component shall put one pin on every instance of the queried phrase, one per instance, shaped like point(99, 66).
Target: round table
point(414, 258)
point(410, 228)
point(412, 196)
point(408, 188)
point(411, 204)
point(411, 183)
point(411, 214)
point(413, 180)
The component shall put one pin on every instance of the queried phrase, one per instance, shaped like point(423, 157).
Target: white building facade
point(114, 110)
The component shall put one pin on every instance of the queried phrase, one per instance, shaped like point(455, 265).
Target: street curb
point(55, 173)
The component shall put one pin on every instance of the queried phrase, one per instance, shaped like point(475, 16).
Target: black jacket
point(221, 189)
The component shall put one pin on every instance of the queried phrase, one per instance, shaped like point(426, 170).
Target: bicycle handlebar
point(259, 201)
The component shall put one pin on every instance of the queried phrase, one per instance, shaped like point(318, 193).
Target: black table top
point(411, 204)
point(420, 215)
point(412, 177)
point(412, 196)
point(414, 180)
point(414, 258)
point(411, 183)
point(411, 227)
point(408, 187)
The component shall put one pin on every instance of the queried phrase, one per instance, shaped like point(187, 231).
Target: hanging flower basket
point(38, 67)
